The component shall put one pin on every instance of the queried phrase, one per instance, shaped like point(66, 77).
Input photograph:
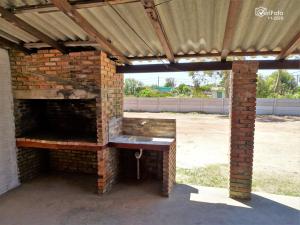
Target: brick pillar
point(169, 170)
point(242, 116)
point(109, 105)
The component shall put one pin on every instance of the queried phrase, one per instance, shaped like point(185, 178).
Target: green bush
point(149, 92)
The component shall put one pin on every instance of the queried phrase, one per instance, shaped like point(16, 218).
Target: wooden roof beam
point(10, 17)
point(290, 48)
point(205, 66)
point(79, 4)
point(75, 16)
point(153, 15)
point(231, 22)
point(6, 43)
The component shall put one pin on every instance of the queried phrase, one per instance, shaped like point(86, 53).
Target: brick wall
point(149, 127)
point(25, 117)
point(110, 104)
point(31, 163)
point(48, 73)
point(73, 161)
point(242, 116)
point(34, 162)
point(152, 164)
point(82, 75)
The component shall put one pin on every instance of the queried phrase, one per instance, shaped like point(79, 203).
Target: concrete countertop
point(128, 139)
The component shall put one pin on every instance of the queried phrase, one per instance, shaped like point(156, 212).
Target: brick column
point(109, 105)
point(169, 170)
point(242, 116)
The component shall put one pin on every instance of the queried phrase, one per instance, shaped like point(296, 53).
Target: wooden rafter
point(79, 4)
point(153, 15)
point(6, 43)
point(10, 17)
point(74, 15)
point(198, 55)
point(66, 43)
point(231, 22)
point(291, 46)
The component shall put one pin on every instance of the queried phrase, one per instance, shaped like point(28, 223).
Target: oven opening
point(59, 120)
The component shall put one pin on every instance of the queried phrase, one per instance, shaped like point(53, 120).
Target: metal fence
point(206, 105)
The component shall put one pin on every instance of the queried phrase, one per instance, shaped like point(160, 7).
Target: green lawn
point(216, 175)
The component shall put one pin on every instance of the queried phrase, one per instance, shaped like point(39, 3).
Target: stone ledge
point(53, 94)
point(58, 145)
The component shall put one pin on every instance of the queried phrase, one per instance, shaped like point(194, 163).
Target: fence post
point(223, 105)
point(274, 106)
point(158, 105)
point(201, 105)
point(138, 104)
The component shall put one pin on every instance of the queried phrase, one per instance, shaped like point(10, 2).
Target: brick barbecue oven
point(69, 117)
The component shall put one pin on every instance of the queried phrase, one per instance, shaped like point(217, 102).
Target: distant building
point(217, 92)
point(164, 89)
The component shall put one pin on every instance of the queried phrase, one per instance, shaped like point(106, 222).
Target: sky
point(183, 77)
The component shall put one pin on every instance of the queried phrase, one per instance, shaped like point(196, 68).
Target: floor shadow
point(269, 118)
point(272, 118)
point(223, 116)
point(66, 200)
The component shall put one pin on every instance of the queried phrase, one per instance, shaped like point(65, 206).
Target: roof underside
point(191, 26)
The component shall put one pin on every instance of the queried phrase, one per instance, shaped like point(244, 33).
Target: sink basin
point(128, 139)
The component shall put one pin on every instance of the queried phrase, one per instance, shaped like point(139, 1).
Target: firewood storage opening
point(150, 165)
point(146, 150)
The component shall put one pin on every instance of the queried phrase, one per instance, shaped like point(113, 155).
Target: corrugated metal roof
point(56, 25)
point(258, 33)
point(192, 26)
point(18, 3)
point(109, 23)
point(16, 32)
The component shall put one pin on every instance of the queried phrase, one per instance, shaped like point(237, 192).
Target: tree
point(281, 83)
point(277, 85)
point(225, 82)
point(262, 90)
point(170, 82)
point(184, 90)
point(200, 78)
point(132, 86)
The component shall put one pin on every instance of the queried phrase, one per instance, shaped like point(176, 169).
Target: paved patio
point(67, 199)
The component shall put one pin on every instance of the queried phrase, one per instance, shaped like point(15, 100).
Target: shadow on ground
point(68, 199)
point(271, 118)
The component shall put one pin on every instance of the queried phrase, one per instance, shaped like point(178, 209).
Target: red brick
point(243, 97)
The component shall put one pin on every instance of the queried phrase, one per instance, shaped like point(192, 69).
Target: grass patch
point(216, 175)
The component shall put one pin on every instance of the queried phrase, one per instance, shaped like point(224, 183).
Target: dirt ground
point(203, 139)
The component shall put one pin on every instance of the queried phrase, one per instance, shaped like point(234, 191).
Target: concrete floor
point(70, 200)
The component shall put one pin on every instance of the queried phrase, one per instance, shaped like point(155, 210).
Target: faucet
point(143, 122)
